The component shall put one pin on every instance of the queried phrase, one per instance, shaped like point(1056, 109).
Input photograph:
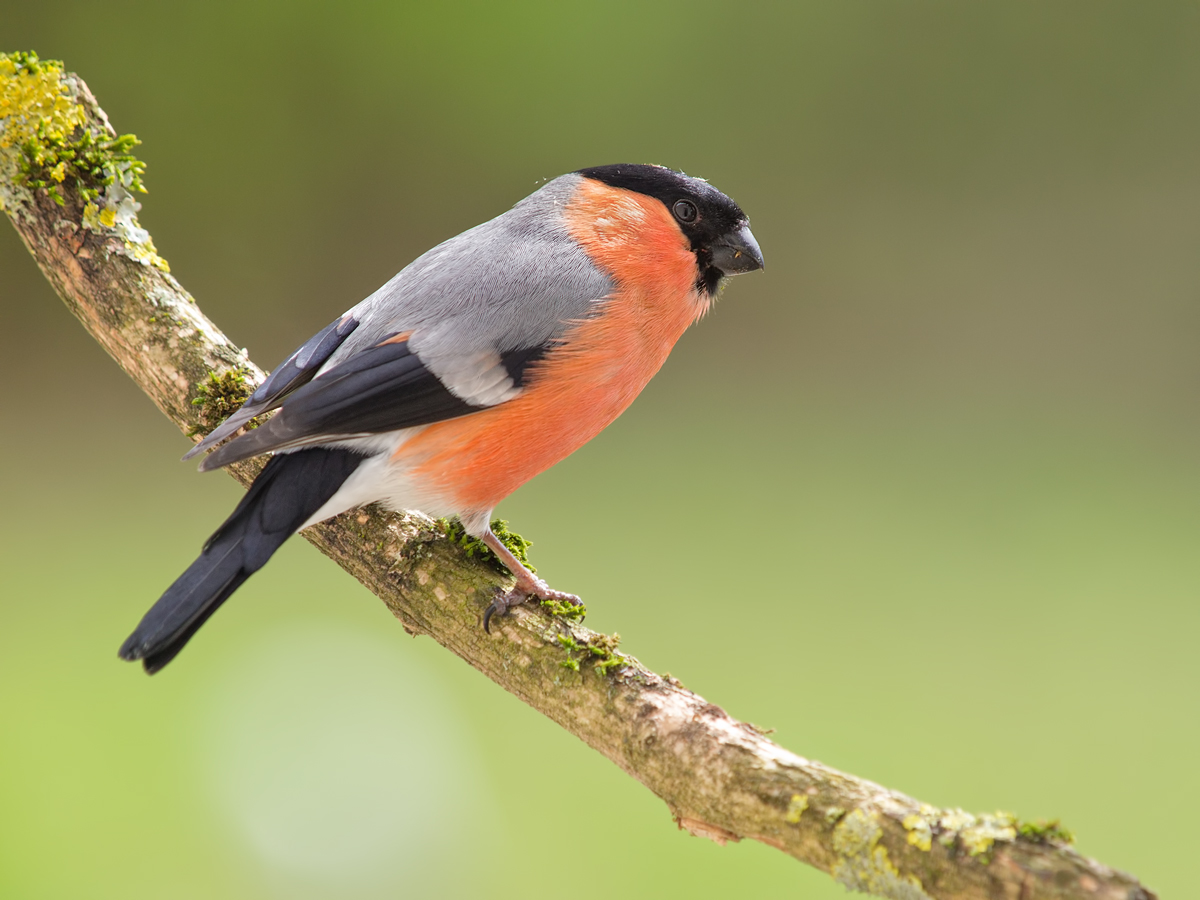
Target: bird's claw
point(503, 601)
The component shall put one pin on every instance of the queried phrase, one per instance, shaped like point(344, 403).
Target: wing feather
point(296, 371)
point(383, 388)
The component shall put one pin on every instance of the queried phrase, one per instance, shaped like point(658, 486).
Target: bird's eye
point(685, 210)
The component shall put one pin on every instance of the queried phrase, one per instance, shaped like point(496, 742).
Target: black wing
point(296, 371)
point(380, 389)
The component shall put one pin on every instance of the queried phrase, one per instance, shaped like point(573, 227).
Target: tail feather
point(291, 488)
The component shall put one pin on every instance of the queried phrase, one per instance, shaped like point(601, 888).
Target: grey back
point(513, 282)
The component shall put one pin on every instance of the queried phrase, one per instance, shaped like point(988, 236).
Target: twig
point(67, 183)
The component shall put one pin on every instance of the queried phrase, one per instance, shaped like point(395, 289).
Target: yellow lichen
point(976, 834)
point(978, 839)
point(863, 865)
point(35, 107)
point(34, 102)
point(47, 143)
point(952, 821)
point(920, 831)
point(796, 807)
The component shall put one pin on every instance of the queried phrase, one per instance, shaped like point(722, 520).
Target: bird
point(480, 364)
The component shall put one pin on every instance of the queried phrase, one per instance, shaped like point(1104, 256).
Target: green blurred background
point(924, 496)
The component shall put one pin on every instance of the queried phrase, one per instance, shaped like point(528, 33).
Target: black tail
point(291, 488)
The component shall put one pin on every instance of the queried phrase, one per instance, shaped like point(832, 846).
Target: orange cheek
point(633, 237)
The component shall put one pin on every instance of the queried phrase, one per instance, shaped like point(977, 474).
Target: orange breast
point(601, 366)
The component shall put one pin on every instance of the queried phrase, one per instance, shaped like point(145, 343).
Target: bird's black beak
point(737, 252)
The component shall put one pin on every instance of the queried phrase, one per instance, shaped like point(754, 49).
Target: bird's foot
point(534, 587)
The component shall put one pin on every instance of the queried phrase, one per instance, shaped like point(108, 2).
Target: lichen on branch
point(48, 142)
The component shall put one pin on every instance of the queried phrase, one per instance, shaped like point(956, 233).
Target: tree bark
point(720, 778)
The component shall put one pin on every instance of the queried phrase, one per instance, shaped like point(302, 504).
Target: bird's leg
point(528, 585)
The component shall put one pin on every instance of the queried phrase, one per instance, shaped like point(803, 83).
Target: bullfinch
point(482, 363)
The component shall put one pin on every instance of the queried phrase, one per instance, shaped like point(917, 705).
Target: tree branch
point(67, 184)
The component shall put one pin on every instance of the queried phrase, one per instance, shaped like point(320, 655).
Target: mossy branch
point(65, 182)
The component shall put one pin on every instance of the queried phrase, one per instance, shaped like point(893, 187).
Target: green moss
point(607, 665)
point(219, 397)
point(47, 143)
point(519, 547)
point(1043, 831)
point(603, 651)
point(600, 651)
point(572, 612)
point(604, 645)
point(475, 548)
point(570, 643)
